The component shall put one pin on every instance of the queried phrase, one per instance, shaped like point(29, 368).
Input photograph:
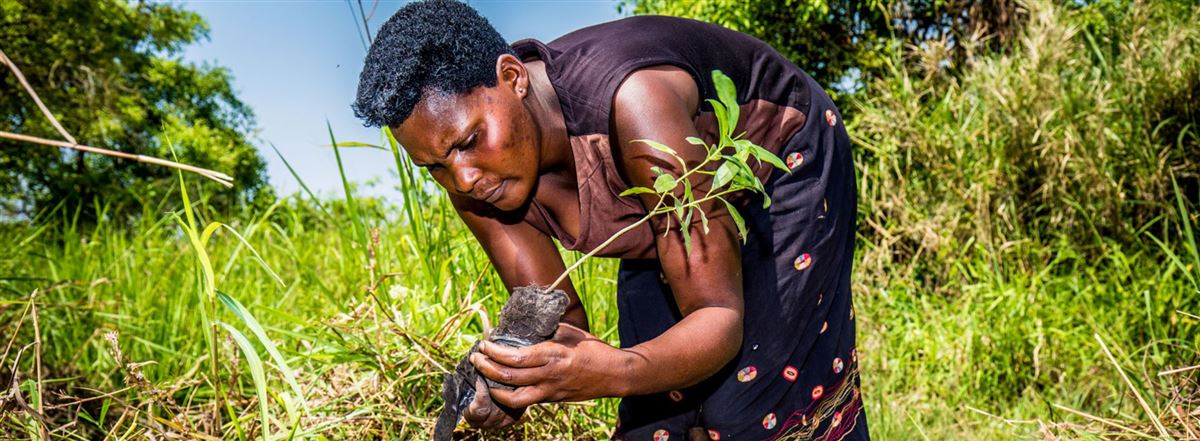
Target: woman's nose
point(465, 178)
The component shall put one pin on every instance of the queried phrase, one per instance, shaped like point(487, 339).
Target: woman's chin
point(512, 199)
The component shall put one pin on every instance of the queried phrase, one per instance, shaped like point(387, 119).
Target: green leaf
point(722, 125)
point(664, 183)
point(728, 95)
point(665, 149)
point(358, 144)
point(256, 372)
point(252, 323)
point(696, 141)
point(766, 156)
point(737, 219)
point(658, 146)
point(685, 229)
point(636, 190)
point(703, 221)
point(725, 173)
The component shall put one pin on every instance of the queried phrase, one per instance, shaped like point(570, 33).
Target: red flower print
point(802, 262)
point(661, 435)
point(790, 373)
point(769, 421)
point(795, 159)
point(818, 392)
point(747, 373)
point(837, 419)
point(830, 118)
point(714, 435)
point(676, 396)
point(838, 365)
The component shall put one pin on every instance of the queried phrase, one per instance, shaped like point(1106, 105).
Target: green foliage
point(730, 154)
point(1070, 137)
point(676, 194)
point(111, 73)
point(845, 43)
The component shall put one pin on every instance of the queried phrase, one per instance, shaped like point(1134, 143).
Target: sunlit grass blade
point(248, 319)
point(257, 373)
point(351, 204)
point(296, 175)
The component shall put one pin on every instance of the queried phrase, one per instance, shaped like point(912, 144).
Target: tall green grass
point(1018, 224)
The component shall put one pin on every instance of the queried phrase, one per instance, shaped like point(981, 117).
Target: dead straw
point(1149, 412)
point(71, 143)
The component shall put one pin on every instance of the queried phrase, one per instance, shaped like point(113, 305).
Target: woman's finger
point(526, 357)
point(519, 397)
point(484, 413)
point(505, 374)
point(481, 412)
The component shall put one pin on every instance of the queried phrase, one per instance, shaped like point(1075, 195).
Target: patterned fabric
point(796, 376)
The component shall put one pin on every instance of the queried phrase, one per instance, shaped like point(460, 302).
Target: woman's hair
point(432, 46)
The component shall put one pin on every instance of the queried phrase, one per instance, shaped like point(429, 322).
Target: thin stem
point(221, 178)
point(606, 243)
point(658, 209)
point(37, 100)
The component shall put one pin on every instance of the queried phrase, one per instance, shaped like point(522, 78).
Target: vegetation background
point(1028, 265)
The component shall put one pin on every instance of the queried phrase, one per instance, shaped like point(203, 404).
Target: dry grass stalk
point(1149, 412)
point(71, 143)
point(37, 362)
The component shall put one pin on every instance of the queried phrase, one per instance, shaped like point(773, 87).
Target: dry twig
point(71, 143)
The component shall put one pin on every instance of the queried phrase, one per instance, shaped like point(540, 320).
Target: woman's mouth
point(496, 193)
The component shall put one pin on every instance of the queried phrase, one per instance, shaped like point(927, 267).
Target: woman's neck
point(543, 104)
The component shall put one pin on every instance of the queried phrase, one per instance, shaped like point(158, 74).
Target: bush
point(1072, 137)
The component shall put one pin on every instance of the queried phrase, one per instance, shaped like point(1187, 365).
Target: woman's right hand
point(485, 413)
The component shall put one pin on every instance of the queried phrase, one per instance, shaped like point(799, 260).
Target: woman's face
point(480, 144)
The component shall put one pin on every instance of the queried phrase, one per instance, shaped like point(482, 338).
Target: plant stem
point(656, 211)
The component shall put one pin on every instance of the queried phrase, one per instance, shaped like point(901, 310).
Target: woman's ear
point(511, 75)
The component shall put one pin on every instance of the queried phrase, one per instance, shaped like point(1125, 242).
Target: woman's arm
point(521, 254)
point(659, 104)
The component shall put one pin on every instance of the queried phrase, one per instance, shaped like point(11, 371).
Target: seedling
point(732, 175)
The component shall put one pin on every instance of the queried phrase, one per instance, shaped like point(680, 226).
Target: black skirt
point(796, 375)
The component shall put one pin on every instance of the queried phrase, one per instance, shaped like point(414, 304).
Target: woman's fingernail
point(482, 344)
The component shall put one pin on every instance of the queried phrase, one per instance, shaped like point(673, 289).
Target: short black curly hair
point(427, 46)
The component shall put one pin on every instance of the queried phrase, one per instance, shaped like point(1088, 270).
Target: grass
point(1027, 268)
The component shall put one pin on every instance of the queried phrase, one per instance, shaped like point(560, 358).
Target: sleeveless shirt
point(587, 66)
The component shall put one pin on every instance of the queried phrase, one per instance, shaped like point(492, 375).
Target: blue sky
point(296, 63)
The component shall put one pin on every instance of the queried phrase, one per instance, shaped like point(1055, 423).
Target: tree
point(111, 72)
point(845, 43)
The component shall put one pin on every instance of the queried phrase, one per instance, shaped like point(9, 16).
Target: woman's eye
point(470, 144)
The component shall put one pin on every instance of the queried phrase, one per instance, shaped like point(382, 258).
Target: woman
point(536, 141)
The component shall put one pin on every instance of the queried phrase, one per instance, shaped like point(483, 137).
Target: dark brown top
point(587, 66)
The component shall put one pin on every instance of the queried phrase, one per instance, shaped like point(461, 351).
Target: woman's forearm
point(575, 315)
point(692, 350)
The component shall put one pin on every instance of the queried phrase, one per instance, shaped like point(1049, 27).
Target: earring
point(520, 90)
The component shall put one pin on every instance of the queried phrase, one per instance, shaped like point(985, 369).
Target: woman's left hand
point(573, 366)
